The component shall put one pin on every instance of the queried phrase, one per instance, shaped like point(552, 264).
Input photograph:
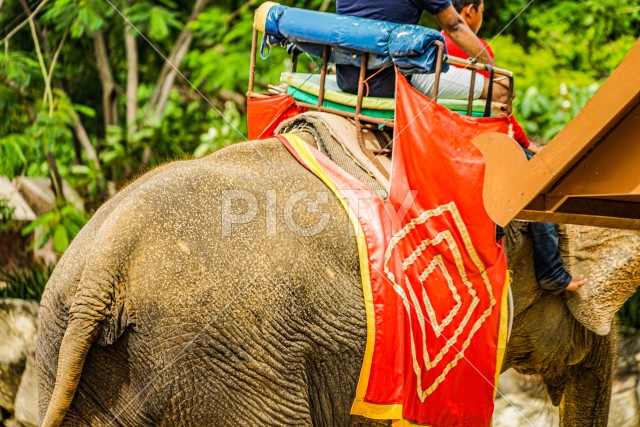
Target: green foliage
point(560, 51)
point(14, 150)
point(554, 45)
point(222, 135)
point(83, 18)
point(629, 315)
point(155, 21)
point(545, 116)
point(578, 33)
point(6, 214)
point(61, 224)
point(25, 283)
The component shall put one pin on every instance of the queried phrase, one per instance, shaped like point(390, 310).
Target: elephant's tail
point(97, 262)
point(76, 342)
point(91, 316)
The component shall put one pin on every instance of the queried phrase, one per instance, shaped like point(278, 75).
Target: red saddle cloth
point(433, 277)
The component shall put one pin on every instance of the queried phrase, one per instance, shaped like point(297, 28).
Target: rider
point(550, 271)
point(471, 12)
point(453, 84)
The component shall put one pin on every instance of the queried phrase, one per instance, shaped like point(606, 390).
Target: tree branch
point(325, 5)
point(25, 22)
point(85, 142)
point(169, 69)
point(47, 89)
point(43, 67)
point(56, 180)
point(42, 34)
point(109, 93)
point(132, 78)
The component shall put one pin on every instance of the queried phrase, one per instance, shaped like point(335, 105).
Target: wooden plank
point(590, 220)
point(612, 168)
point(622, 213)
point(511, 182)
point(617, 96)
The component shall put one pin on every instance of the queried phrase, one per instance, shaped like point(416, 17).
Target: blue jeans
point(550, 271)
point(548, 265)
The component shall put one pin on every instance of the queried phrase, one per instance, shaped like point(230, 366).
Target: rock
point(22, 211)
point(18, 333)
point(11, 369)
point(620, 385)
point(520, 409)
point(26, 404)
point(523, 401)
point(511, 382)
point(13, 423)
point(14, 247)
point(625, 408)
point(38, 193)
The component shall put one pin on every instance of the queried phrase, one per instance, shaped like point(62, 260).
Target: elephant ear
point(610, 260)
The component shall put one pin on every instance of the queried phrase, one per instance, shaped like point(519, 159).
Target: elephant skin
point(575, 361)
point(161, 312)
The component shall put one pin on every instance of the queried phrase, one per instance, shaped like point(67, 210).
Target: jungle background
point(89, 95)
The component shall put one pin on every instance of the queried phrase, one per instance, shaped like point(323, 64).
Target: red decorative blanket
point(433, 278)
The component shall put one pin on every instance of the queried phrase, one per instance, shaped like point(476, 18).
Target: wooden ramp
point(589, 173)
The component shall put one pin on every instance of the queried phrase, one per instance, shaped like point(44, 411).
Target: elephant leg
point(587, 392)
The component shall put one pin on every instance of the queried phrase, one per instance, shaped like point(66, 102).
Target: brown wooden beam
point(590, 220)
point(587, 211)
point(611, 168)
point(511, 182)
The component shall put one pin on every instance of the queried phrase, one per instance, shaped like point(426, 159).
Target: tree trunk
point(85, 142)
point(132, 78)
point(109, 94)
point(56, 180)
point(170, 69)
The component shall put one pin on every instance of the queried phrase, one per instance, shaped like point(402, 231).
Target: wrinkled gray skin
point(576, 364)
point(155, 317)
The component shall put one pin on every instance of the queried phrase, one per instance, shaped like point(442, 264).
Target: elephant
point(201, 294)
point(568, 339)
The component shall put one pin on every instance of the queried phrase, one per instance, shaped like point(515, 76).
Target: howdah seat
point(366, 43)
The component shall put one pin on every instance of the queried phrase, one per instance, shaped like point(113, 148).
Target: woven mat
point(336, 137)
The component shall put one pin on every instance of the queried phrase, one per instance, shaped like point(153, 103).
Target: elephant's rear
point(250, 314)
point(70, 283)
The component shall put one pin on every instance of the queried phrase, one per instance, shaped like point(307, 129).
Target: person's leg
point(454, 84)
point(550, 271)
point(548, 266)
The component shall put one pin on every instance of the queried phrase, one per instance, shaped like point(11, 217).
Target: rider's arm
point(462, 35)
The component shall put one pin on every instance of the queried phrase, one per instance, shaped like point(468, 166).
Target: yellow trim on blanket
point(376, 411)
point(310, 161)
point(503, 330)
point(360, 407)
point(406, 423)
